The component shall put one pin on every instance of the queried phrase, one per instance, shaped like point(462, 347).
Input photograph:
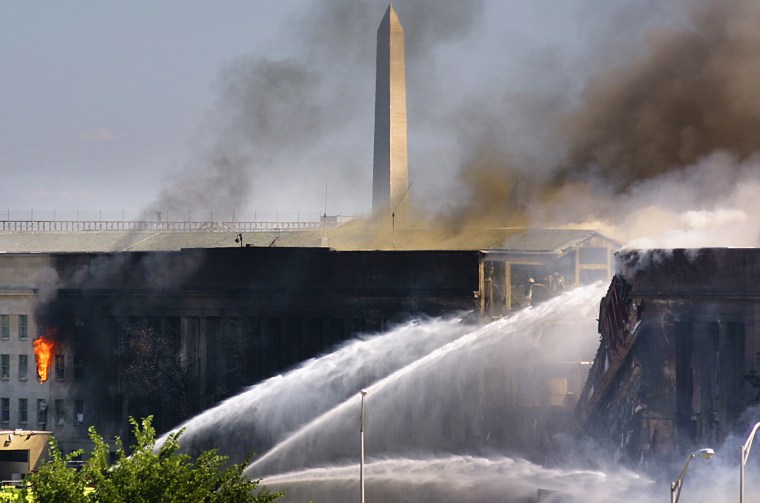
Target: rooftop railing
point(155, 226)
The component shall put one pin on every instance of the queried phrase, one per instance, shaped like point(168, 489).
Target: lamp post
point(677, 484)
point(361, 441)
point(745, 454)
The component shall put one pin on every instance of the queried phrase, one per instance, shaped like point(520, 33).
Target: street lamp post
point(677, 484)
point(745, 454)
point(361, 440)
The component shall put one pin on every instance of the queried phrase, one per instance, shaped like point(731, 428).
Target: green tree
point(55, 479)
point(146, 475)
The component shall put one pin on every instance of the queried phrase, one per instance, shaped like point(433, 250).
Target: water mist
point(270, 410)
point(454, 412)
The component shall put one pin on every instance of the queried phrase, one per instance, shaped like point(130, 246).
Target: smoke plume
point(691, 94)
point(278, 129)
point(644, 131)
point(658, 149)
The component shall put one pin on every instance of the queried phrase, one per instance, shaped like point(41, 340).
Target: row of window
point(5, 327)
point(23, 367)
point(42, 411)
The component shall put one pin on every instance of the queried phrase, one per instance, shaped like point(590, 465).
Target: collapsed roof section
point(679, 338)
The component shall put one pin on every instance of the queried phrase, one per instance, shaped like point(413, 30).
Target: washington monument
point(390, 176)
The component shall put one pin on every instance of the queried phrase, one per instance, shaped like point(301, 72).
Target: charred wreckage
point(677, 363)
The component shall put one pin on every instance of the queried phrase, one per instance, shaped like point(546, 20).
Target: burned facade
point(679, 341)
point(219, 318)
point(171, 333)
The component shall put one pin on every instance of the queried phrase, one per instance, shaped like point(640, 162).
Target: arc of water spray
point(374, 389)
point(314, 387)
point(483, 335)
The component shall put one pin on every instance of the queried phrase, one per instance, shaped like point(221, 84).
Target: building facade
point(678, 360)
point(172, 333)
point(25, 403)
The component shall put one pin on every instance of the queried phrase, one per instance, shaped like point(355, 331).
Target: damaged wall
point(220, 318)
point(224, 318)
point(679, 334)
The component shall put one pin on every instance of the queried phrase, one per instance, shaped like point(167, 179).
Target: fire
point(43, 353)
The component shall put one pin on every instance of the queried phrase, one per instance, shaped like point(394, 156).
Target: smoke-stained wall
point(679, 340)
point(172, 333)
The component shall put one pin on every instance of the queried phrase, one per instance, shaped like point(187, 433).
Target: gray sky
point(255, 106)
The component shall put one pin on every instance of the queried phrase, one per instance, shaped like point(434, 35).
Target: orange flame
point(43, 353)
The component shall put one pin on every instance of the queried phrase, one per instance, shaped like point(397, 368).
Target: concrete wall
point(20, 278)
point(679, 339)
point(236, 316)
point(21, 451)
point(231, 316)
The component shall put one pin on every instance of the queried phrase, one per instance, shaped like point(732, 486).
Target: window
point(5, 326)
point(78, 369)
point(5, 366)
point(23, 410)
point(60, 416)
point(5, 410)
point(23, 367)
point(79, 412)
point(60, 361)
point(41, 411)
point(23, 327)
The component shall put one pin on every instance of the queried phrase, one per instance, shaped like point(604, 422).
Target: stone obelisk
point(390, 176)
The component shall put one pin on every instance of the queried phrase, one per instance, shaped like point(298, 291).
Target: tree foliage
point(146, 475)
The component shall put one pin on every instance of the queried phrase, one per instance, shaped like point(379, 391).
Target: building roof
point(505, 239)
point(105, 241)
point(351, 236)
point(555, 241)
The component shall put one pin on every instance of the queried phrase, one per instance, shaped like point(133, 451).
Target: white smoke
point(708, 204)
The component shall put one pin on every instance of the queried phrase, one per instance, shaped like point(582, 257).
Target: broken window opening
point(41, 411)
point(60, 417)
point(79, 412)
point(78, 369)
point(60, 362)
